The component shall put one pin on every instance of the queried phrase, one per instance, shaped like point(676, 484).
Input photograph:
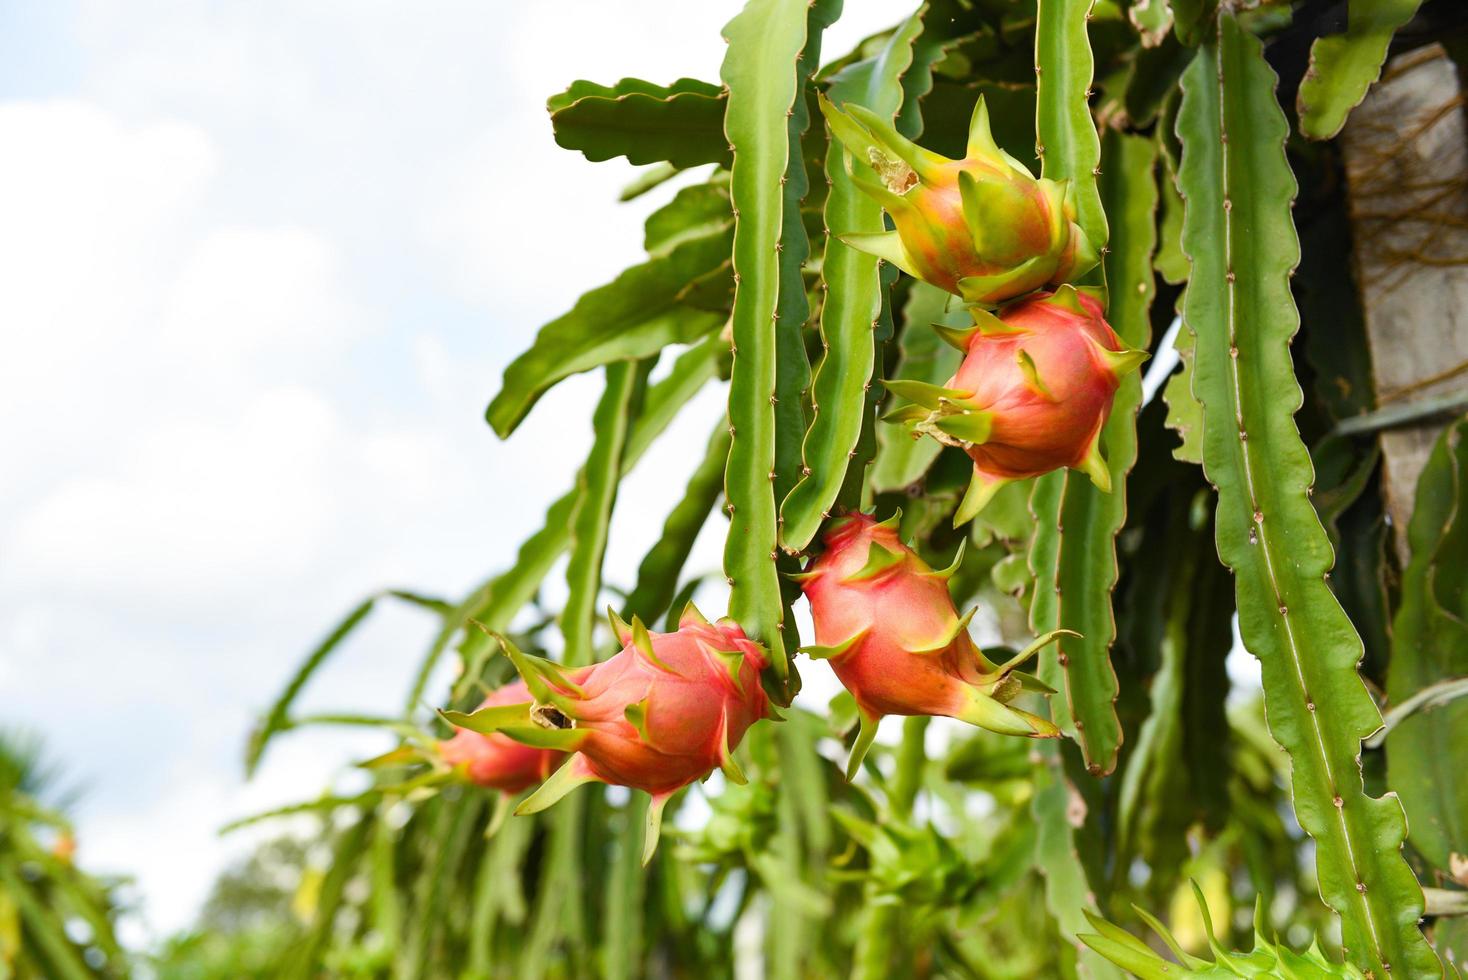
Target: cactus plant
point(861, 208)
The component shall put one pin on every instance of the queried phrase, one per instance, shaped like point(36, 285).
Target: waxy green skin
point(887, 624)
point(1033, 392)
point(983, 227)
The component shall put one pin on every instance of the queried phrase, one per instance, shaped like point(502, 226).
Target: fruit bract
point(496, 761)
point(666, 710)
point(982, 227)
point(885, 621)
point(1032, 394)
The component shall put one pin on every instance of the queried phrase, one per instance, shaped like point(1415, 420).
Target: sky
point(261, 268)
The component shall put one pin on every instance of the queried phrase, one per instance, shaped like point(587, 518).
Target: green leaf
point(1153, 78)
point(1193, 20)
point(765, 40)
point(626, 895)
point(632, 317)
point(278, 719)
point(592, 517)
point(695, 211)
point(306, 953)
point(495, 603)
point(1175, 775)
point(45, 929)
point(1268, 958)
point(1170, 262)
point(1152, 19)
point(1430, 646)
point(852, 312)
point(1069, 146)
point(923, 357)
point(1343, 66)
point(657, 576)
point(792, 369)
point(1057, 809)
point(431, 888)
point(792, 366)
point(681, 123)
point(497, 892)
point(1241, 241)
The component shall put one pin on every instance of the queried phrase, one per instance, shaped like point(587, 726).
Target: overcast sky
point(261, 265)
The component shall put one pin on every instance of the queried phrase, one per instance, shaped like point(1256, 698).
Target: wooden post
point(1406, 152)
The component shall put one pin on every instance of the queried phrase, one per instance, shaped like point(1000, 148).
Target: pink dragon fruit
point(496, 761)
point(666, 710)
point(982, 227)
point(885, 621)
point(1031, 395)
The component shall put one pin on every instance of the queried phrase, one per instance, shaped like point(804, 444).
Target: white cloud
point(246, 291)
point(259, 266)
point(198, 510)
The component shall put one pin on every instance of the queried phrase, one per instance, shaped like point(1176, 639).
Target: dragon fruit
point(982, 227)
point(666, 710)
point(887, 625)
point(1031, 396)
point(495, 761)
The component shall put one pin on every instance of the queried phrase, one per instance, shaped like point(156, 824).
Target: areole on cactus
point(981, 227)
point(885, 621)
point(663, 712)
point(1033, 392)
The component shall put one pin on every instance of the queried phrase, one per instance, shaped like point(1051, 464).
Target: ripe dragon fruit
point(982, 227)
point(496, 761)
point(885, 621)
point(1031, 395)
point(666, 710)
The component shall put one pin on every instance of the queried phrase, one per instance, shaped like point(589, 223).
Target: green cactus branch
point(682, 123)
point(792, 378)
point(657, 576)
point(765, 41)
point(923, 356)
point(1430, 646)
point(495, 603)
point(1343, 66)
point(1160, 139)
point(1073, 551)
point(1065, 136)
point(634, 316)
point(851, 310)
point(1241, 241)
